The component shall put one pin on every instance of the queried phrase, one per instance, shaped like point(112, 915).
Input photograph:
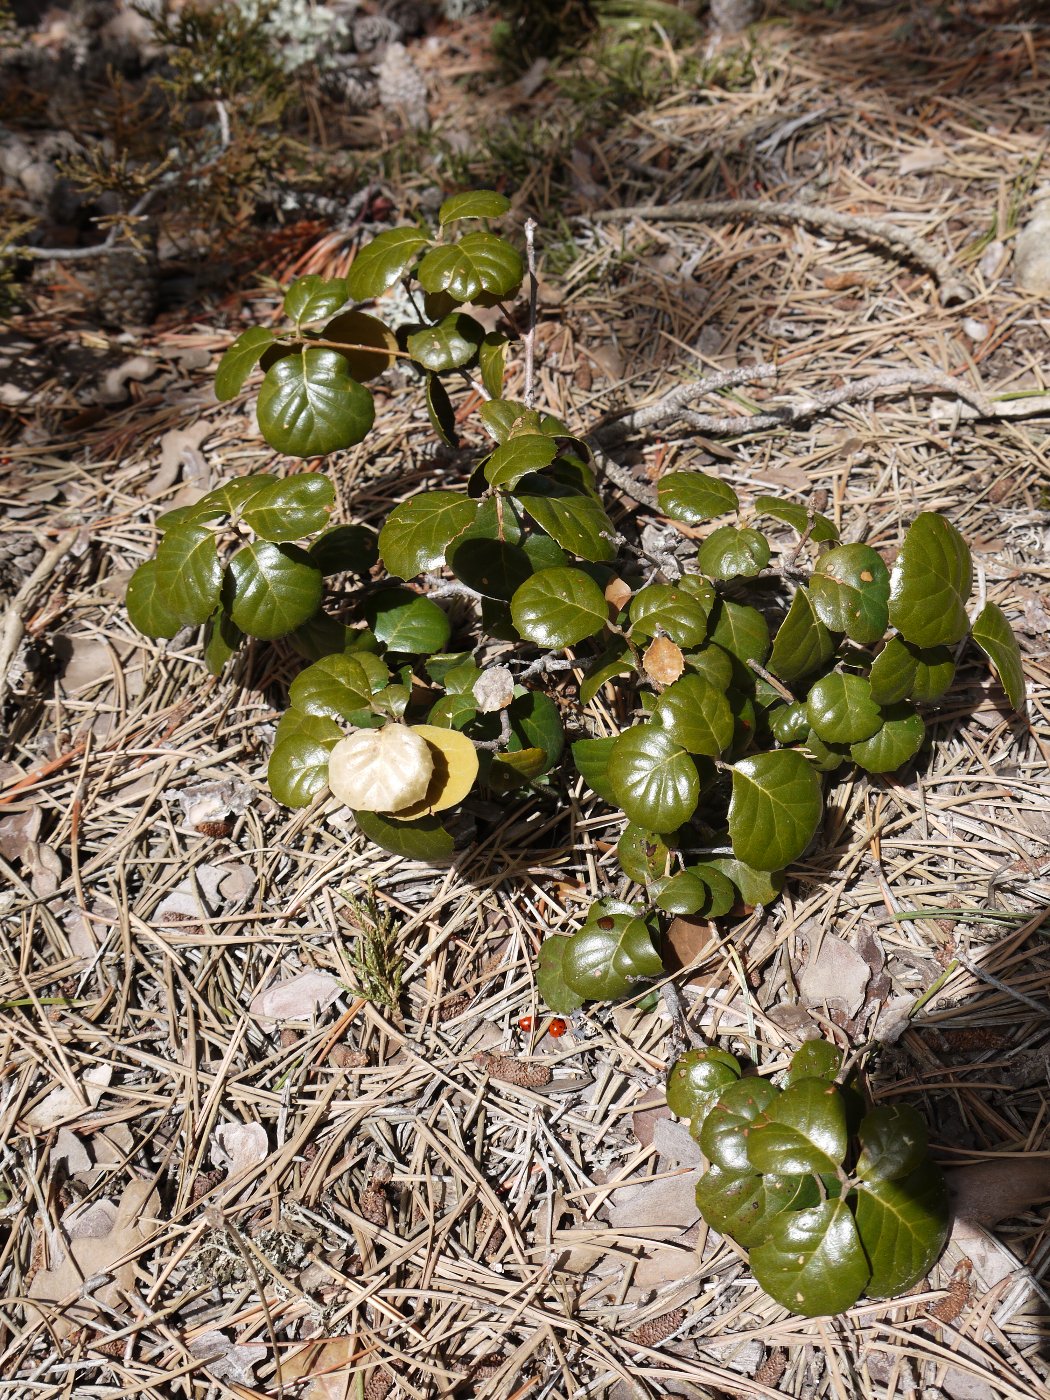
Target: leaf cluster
point(832, 1200)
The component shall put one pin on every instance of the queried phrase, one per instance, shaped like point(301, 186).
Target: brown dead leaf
point(666, 1205)
point(239, 1146)
point(997, 1190)
point(838, 976)
point(617, 593)
point(663, 661)
point(842, 281)
point(685, 940)
point(922, 158)
point(18, 831)
point(329, 1366)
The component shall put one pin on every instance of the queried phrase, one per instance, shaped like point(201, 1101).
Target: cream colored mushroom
point(381, 770)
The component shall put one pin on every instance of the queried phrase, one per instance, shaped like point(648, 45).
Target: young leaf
point(345, 549)
point(309, 405)
point(803, 1130)
point(148, 605)
point(850, 590)
point(289, 509)
point(696, 715)
point(189, 574)
point(814, 1059)
point(271, 589)
point(733, 553)
point(841, 710)
point(559, 607)
point(893, 1142)
point(492, 357)
point(654, 780)
point(694, 496)
point(812, 1261)
point(725, 1131)
point(311, 298)
point(424, 839)
point(473, 204)
point(407, 623)
point(789, 723)
point(905, 672)
point(335, 686)
point(903, 1226)
point(520, 454)
point(775, 808)
point(608, 956)
point(802, 644)
point(697, 1078)
point(298, 767)
point(591, 757)
point(798, 517)
point(417, 531)
point(239, 361)
point(994, 635)
point(384, 261)
point(898, 740)
point(744, 1205)
point(479, 262)
point(354, 329)
point(680, 613)
point(930, 584)
point(577, 523)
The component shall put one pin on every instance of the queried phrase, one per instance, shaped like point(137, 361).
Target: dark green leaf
point(559, 607)
point(522, 453)
point(222, 637)
point(697, 890)
point(789, 723)
point(311, 298)
point(239, 361)
point(544, 553)
point(841, 710)
point(755, 886)
point(492, 356)
point(654, 779)
point(271, 589)
point(904, 672)
point(696, 1080)
point(148, 605)
point(892, 745)
point(616, 660)
point(489, 566)
point(608, 956)
point(407, 623)
point(309, 405)
point(850, 588)
point(903, 1226)
point(814, 1059)
point(826, 758)
point(723, 1137)
point(804, 1130)
point(812, 1262)
point(189, 574)
point(678, 612)
point(733, 553)
point(536, 723)
point(479, 262)
point(452, 343)
point(381, 263)
point(744, 1205)
point(417, 531)
point(643, 855)
point(440, 411)
point(745, 722)
point(289, 509)
point(354, 331)
point(473, 204)
point(739, 630)
point(298, 767)
point(321, 636)
point(502, 416)
point(424, 839)
point(346, 549)
point(930, 584)
point(696, 715)
point(994, 635)
point(893, 1143)
point(798, 517)
point(713, 665)
point(591, 757)
point(775, 808)
point(550, 978)
point(802, 644)
point(694, 496)
point(335, 686)
point(577, 523)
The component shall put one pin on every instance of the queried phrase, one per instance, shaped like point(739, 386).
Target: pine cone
point(372, 32)
point(401, 87)
point(19, 556)
point(127, 288)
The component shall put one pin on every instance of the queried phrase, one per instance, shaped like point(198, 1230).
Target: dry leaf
point(69, 1149)
point(663, 661)
point(997, 1190)
point(299, 998)
point(843, 281)
point(685, 940)
point(44, 865)
point(62, 1105)
point(88, 660)
point(617, 593)
point(644, 1121)
point(838, 975)
point(665, 1206)
point(227, 1361)
point(922, 158)
point(209, 890)
point(239, 1146)
point(329, 1366)
point(19, 831)
point(176, 447)
point(212, 801)
point(671, 1261)
point(674, 1141)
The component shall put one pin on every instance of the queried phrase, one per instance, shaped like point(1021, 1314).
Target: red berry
point(525, 1024)
point(557, 1027)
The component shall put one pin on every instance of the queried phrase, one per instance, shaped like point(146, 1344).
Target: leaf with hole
point(775, 808)
point(903, 1227)
point(850, 589)
point(407, 623)
point(643, 855)
point(812, 1261)
point(309, 405)
point(841, 710)
point(239, 361)
point(654, 780)
point(311, 298)
point(473, 204)
point(450, 344)
point(417, 532)
point(995, 637)
point(149, 606)
point(271, 589)
point(577, 523)
point(550, 976)
point(189, 574)
point(802, 644)
point(298, 767)
point(675, 611)
point(609, 956)
point(905, 672)
point(894, 744)
point(559, 607)
point(424, 839)
point(384, 261)
point(291, 508)
point(724, 1135)
point(930, 584)
point(692, 497)
point(696, 715)
point(821, 529)
point(803, 1130)
point(370, 344)
point(893, 1143)
point(733, 553)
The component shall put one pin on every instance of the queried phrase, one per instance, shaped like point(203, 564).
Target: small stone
point(976, 330)
point(1032, 253)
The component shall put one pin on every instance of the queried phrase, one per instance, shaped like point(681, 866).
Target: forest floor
point(270, 1200)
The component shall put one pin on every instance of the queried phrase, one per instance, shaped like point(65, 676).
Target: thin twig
point(667, 409)
point(12, 626)
point(529, 338)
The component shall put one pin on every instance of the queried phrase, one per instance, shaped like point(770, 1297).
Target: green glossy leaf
point(550, 977)
point(577, 523)
point(897, 741)
point(473, 204)
point(148, 605)
point(812, 1262)
point(930, 584)
point(615, 661)
point(440, 411)
point(479, 262)
point(231, 497)
point(850, 588)
point(289, 509)
point(694, 496)
point(309, 405)
point(271, 589)
point(522, 453)
point(893, 1143)
point(755, 886)
point(335, 686)
point(189, 574)
point(733, 553)
point(696, 715)
point(675, 611)
point(455, 670)
point(417, 532)
point(713, 665)
point(452, 711)
point(994, 635)
point(407, 623)
point(591, 757)
point(535, 723)
point(803, 1130)
point(346, 549)
point(222, 638)
point(826, 758)
point(789, 723)
point(545, 553)
point(197, 514)
point(608, 956)
point(814, 1059)
point(697, 890)
point(384, 261)
point(697, 1078)
point(298, 767)
point(492, 357)
point(744, 1205)
point(904, 672)
point(739, 630)
point(775, 808)
point(239, 361)
point(424, 839)
point(643, 855)
point(502, 416)
point(654, 780)
point(312, 298)
point(841, 710)
point(903, 1227)
point(723, 1137)
point(559, 607)
point(798, 517)
point(745, 722)
point(450, 344)
point(802, 644)
point(321, 636)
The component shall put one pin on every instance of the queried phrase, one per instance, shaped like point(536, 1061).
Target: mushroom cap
point(381, 770)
